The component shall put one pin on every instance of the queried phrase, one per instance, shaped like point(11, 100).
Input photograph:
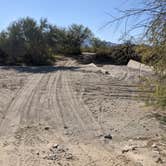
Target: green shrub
point(155, 57)
point(119, 55)
point(31, 43)
point(24, 43)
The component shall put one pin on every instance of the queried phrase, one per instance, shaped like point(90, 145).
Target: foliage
point(98, 45)
point(157, 87)
point(150, 16)
point(119, 54)
point(76, 35)
point(153, 56)
point(24, 43)
point(3, 57)
point(27, 42)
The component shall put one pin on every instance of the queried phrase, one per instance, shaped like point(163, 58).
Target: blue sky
point(91, 13)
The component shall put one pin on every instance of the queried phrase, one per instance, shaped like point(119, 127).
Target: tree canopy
point(28, 42)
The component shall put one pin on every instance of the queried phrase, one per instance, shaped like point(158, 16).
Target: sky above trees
point(91, 13)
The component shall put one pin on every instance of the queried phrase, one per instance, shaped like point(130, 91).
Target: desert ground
point(74, 114)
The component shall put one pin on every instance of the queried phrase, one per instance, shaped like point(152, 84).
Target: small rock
point(67, 132)
point(155, 156)
point(38, 153)
point(159, 160)
point(125, 150)
point(128, 148)
point(107, 72)
point(65, 127)
point(69, 156)
point(18, 136)
point(52, 157)
point(55, 146)
point(47, 128)
point(157, 135)
point(134, 148)
point(61, 149)
point(154, 146)
point(28, 127)
point(108, 136)
point(130, 140)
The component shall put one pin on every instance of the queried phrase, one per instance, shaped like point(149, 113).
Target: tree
point(57, 39)
point(37, 48)
point(12, 43)
point(76, 35)
point(98, 44)
point(152, 18)
point(25, 41)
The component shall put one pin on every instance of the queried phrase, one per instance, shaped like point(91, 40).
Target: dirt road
point(75, 114)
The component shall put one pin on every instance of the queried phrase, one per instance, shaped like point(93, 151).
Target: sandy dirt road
point(66, 116)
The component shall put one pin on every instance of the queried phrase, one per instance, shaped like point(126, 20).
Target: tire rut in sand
point(57, 100)
point(48, 99)
point(31, 109)
point(81, 110)
point(13, 110)
point(31, 135)
point(71, 120)
point(10, 124)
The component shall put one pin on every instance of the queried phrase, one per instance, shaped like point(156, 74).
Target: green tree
point(25, 41)
point(57, 39)
point(12, 43)
point(98, 44)
point(76, 35)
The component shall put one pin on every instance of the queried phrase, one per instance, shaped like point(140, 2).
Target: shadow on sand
point(40, 69)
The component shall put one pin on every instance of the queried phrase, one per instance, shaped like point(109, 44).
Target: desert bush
point(155, 57)
point(87, 49)
point(76, 35)
point(119, 54)
point(28, 42)
point(3, 57)
point(24, 42)
point(150, 16)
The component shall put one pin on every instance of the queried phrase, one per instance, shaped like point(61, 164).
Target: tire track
point(83, 112)
point(30, 113)
point(30, 117)
point(71, 120)
point(12, 113)
point(58, 108)
point(50, 83)
point(48, 99)
point(28, 137)
point(13, 100)
point(55, 105)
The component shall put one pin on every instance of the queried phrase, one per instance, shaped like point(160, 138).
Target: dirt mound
point(139, 66)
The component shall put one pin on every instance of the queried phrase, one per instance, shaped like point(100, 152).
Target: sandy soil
point(77, 115)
